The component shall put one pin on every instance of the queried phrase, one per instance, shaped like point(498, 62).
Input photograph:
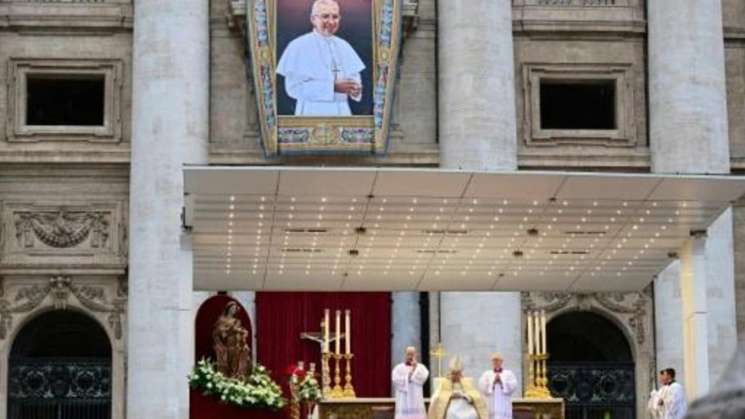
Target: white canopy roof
point(352, 229)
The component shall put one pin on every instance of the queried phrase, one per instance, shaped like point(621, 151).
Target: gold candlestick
point(537, 380)
point(337, 392)
point(326, 375)
point(348, 387)
point(544, 374)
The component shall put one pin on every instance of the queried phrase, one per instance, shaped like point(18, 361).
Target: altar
point(383, 408)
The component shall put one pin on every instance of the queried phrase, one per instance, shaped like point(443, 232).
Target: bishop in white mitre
point(321, 70)
point(669, 402)
point(408, 381)
point(497, 386)
point(456, 397)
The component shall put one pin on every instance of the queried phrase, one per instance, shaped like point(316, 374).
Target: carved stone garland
point(62, 229)
point(59, 288)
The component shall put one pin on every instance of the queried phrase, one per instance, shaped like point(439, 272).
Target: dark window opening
point(578, 104)
point(65, 100)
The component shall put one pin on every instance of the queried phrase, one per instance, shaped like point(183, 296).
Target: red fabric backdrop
point(283, 316)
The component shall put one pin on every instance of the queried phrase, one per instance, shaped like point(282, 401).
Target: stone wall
point(587, 40)
point(65, 37)
point(80, 179)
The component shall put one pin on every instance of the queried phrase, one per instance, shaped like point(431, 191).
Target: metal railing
point(595, 390)
point(68, 388)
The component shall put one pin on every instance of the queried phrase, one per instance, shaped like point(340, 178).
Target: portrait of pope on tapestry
point(325, 57)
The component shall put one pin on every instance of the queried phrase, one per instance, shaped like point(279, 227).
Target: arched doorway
point(591, 367)
point(60, 368)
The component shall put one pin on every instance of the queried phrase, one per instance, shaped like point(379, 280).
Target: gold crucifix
point(438, 352)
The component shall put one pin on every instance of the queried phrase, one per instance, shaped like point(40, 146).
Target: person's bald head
point(325, 16)
point(410, 354)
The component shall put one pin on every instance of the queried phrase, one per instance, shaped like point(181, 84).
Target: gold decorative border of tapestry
point(294, 135)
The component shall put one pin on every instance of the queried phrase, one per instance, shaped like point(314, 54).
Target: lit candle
point(530, 333)
point(338, 332)
point(537, 332)
point(543, 331)
point(348, 329)
point(326, 325)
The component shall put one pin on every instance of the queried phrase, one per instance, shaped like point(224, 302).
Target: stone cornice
point(54, 18)
point(608, 158)
point(734, 33)
point(562, 27)
point(72, 156)
point(421, 155)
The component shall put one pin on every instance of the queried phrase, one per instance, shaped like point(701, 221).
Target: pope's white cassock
point(409, 394)
point(311, 64)
point(673, 404)
point(498, 395)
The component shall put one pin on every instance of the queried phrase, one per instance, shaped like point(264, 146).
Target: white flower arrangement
point(309, 390)
point(257, 391)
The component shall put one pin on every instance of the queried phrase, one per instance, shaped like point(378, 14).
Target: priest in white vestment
point(456, 397)
point(670, 398)
point(408, 381)
point(321, 70)
point(497, 385)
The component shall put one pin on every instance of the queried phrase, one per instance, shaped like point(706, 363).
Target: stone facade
point(64, 241)
point(65, 223)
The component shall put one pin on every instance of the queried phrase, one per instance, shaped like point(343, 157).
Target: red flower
point(293, 369)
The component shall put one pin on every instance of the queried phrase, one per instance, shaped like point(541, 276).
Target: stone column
point(695, 332)
point(476, 68)
point(169, 130)
point(476, 324)
point(406, 325)
point(478, 131)
point(720, 295)
point(669, 320)
point(687, 88)
point(688, 134)
point(739, 238)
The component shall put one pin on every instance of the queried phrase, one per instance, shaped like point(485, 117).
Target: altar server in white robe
point(653, 405)
point(321, 70)
point(671, 399)
point(497, 386)
point(408, 380)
